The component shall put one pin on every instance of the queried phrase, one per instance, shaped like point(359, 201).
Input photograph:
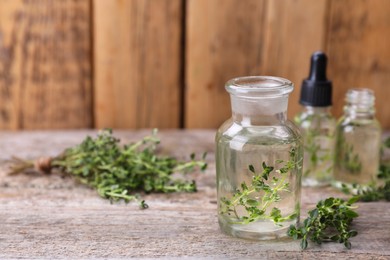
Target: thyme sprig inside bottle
point(257, 200)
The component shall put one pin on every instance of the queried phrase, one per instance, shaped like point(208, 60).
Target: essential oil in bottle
point(317, 124)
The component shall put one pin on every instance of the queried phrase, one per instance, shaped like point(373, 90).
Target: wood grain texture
point(224, 40)
point(45, 64)
point(152, 69)
point(46, 217)
point(294, 30)
point(359, 50)
point(137, 62)
point(257, 38)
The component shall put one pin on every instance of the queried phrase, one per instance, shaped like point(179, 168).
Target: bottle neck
point(259, 111)
point(359, 111)
point(360, 104)
point(316, 110)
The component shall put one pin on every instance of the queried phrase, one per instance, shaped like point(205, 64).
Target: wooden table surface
point(53, 217)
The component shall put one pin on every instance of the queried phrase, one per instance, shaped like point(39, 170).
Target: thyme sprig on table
point(329, 221)
point(119, 172)
point(257, 197)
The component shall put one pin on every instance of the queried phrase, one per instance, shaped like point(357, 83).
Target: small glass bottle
point(358, 140)
point(258, 161)
point(317, 124)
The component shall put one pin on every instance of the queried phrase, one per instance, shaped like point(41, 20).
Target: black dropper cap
point(316, 90)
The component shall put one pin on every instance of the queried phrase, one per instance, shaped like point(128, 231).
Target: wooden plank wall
point(137, 58)
point(147, 63)
point(224, 40)
point(45, 68)
point(359, 47)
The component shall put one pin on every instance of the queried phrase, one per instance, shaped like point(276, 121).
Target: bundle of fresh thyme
point(119, 172)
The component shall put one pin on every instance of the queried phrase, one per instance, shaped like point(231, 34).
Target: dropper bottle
point(317, 124)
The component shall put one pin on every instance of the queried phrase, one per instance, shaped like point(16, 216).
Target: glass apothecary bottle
point(358, 140)
point(258, 160)
point(317, 124)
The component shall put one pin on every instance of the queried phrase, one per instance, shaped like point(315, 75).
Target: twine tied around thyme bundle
point(42, 165)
